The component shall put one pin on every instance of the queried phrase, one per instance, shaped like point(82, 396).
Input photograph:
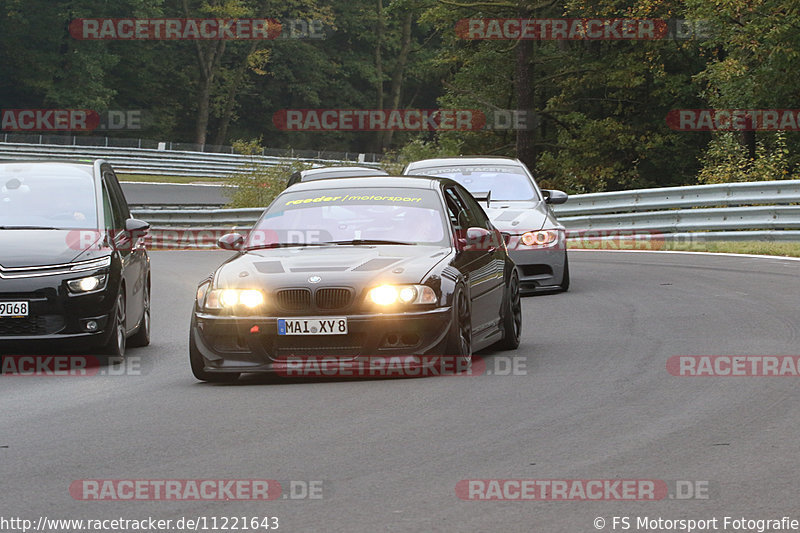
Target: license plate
point(13, 309)
point(312, 326)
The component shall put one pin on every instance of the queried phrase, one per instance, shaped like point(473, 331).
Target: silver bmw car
point(535, 239)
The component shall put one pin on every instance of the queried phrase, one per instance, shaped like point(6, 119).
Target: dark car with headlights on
point(517, 207)
point(358, 268)
point(73, 268)
point(324, 173)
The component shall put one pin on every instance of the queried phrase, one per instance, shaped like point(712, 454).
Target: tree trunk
point(397, 75)
point(379, 31)
point(230, 98)
point(523, 87)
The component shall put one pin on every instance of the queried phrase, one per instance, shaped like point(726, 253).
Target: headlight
point(229, 298)
point(87, 284)
point(92, 264)
point(386, 295)
point(540, 238)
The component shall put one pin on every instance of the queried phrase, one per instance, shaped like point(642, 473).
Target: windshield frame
point(93, 211)
point(522, 170)
point(440, 208)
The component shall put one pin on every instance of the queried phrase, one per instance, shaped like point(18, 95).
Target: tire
point(565, 278)
point(142, 335)
point(117, 341)
point(512, 316)
point(197, 364)
point(459, 342)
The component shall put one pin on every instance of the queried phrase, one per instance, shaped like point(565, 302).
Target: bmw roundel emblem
point(314, 279)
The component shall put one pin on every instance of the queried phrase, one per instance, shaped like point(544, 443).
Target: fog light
point(91, 325)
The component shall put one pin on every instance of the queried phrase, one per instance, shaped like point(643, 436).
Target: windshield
point(62, 199)
point(369, 216)
point(506, 182)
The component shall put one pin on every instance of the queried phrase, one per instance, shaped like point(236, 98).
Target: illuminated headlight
point(87, 284)
point(540, 238)
point(386, 295)
point(229, 298)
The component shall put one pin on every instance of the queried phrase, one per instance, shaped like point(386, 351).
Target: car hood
point(354, 266)
point(33, 248)
point(518, 217)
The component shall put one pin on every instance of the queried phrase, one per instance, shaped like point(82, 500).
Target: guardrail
point(670, 212)
point(150, 161)
point(720, 194)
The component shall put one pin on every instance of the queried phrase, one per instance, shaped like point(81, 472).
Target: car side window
point(477, 217)
point(108, 209)
point(119, 206)
point(457, 210)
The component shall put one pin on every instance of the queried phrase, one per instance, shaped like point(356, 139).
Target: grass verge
point(786, 249)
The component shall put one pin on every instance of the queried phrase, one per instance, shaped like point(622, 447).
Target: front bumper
point(55, 316)
point(252, 344)
point(539, 268)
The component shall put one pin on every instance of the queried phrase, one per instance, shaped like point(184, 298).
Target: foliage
point(257, 184)
point(599, 106)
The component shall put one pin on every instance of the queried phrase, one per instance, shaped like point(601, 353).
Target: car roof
point(411, 182)
point(317, 170)
point(85, 165)
point(465, 160)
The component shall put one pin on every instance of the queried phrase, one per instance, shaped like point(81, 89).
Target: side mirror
point(231, 241)
point(552, 196)
point(136, 228)
point(479, 239)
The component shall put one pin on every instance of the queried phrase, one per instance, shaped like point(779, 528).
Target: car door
point(131, 251)
point(490, 282)
point(472, 262)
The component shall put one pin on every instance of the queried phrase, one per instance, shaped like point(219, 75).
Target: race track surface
point(593, 400)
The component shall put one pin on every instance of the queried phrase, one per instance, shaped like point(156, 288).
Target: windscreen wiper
point(368, 241)
point(284, 245)
point(27, 227)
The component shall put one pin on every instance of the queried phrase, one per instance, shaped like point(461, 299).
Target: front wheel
point(459, 344)
point(512, 315)
point(142, 335)
point(115, 346)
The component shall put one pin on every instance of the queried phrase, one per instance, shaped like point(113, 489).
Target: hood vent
point(269, 267)
point(379, 263)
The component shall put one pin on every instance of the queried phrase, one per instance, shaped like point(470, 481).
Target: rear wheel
point(565, 278)
point(459, 345)
point(197, 364)
point(142, 335)
point(115, 346)
point(512, 315)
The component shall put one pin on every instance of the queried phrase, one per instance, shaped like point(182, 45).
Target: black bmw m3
point(74, 272)
point(358, 268)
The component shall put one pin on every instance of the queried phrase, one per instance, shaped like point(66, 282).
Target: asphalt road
point(595, 402)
